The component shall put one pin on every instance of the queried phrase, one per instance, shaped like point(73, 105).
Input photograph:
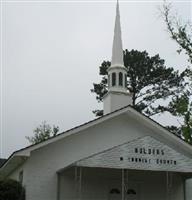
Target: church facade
point(123, 155)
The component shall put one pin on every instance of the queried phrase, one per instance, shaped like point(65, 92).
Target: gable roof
point(18, 157)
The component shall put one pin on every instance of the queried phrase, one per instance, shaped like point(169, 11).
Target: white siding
point(43, 163)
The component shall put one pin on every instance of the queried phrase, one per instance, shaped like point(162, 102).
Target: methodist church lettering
point(149, 156)
point(145, 153)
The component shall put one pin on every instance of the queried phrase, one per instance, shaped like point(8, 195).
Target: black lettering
point(149, 151)
point(168, 162)
point(144, 151)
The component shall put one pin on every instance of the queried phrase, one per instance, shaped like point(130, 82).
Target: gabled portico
point(142, 169)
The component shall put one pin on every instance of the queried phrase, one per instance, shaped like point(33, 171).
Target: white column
point(122, 184)
point(58, 186)
point(188, 189)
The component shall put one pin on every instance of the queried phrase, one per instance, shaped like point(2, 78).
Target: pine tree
point(149, 81)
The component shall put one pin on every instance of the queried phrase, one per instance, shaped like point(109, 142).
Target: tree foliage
point(181, 105)
point(149, 81)
point(179, 31)
point(43, 132)
point(11, 190)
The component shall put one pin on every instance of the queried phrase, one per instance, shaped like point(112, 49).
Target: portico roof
point(145, 153)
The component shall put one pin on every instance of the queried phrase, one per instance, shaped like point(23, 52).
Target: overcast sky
point(51, 52)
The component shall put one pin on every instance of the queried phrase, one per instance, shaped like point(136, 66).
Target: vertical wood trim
point(167, 185)
point(80, 182)
point(122, 184)
point(184, 188)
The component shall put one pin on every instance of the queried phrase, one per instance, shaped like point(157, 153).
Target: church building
point(122, 155)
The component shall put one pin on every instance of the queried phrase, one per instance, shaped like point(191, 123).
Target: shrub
point(11, 190)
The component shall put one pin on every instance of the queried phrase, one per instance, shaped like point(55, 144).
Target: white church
point(123, 155)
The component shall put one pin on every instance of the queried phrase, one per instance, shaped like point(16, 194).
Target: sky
point(51, 52)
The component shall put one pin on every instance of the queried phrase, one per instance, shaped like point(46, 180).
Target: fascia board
point(12, 164)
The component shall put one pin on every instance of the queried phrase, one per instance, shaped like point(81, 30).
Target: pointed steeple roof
point(117, 95)
point(117, 52)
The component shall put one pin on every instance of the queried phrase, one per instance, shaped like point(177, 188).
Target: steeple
point(117, 96)
point(117, 52)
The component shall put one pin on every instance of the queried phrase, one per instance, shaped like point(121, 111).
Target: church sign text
point(141, 153)
point(146, 153)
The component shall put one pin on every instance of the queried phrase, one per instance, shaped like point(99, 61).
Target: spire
point(117, 96)
point(117, 52)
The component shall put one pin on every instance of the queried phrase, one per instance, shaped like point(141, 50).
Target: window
point(131, 191)
point(113, 79)
point(120, 79)
point(114, 191)
point(109, 81)
point(21, 177)
point(125, 79)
